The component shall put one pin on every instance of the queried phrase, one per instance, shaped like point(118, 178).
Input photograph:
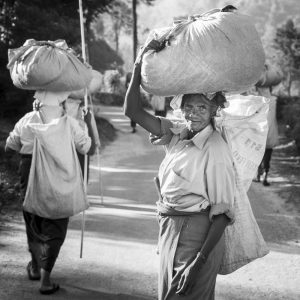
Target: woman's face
point(197, 111)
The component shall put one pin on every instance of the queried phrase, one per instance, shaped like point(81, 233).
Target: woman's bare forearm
point(215, 233)
point(132, 104)
point(133, 107)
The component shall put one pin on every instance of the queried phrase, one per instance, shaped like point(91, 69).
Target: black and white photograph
point(149, 149)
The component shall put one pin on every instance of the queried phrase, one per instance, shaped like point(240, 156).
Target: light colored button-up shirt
point(197, 172)
point(21, 139)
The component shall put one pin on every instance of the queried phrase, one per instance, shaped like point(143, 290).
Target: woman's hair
point(218, 100)
point(228, 8)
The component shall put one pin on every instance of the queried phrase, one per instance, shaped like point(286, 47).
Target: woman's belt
point(164, 210)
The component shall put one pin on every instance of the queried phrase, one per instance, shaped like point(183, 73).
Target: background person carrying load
point(51, 180)
point(212, 152)
point(271, 77)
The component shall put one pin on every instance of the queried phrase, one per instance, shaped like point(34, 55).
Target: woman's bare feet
point(47, 287)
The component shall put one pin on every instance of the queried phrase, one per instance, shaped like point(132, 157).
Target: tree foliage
point(134, 24)
point(108, 58)
point(121, 17)
point(41, 20)
point(287, 41)
point(117, 20)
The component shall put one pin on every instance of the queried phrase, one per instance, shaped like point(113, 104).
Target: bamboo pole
point(86, 106)
point(98, 162)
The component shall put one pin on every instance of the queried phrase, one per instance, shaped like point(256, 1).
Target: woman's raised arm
point(132, 106)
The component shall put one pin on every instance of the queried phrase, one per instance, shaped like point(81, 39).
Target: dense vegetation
point(40, 20)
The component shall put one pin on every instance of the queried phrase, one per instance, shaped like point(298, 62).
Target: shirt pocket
point(179, 177)
point(175, 185)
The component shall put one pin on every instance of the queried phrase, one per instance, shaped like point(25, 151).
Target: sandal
point(55, 288)
point(31, 274)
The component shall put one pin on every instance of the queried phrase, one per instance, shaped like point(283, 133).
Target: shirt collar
point(199, 139)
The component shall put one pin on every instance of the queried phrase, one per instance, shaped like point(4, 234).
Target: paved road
point(119, 252)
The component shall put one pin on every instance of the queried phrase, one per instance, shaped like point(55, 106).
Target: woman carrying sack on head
point(198, 190)
point(197, 185)
point(206, 225)
point(51, 180)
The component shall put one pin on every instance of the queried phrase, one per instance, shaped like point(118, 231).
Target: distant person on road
point(127, 81)
point(158, 104)
point(197, 188)
point(272, 137)
point(36, 137)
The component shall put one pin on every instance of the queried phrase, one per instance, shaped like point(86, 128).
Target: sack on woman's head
point(216, 51)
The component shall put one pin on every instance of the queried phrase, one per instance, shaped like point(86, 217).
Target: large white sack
point(217, 51)
point(273, 135)
point(55, 185)
point(47, 65)
point(243, 239)
point(244, 126)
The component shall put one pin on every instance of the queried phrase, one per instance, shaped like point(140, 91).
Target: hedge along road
point(119, 252)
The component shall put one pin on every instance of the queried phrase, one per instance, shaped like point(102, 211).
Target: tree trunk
point(117, 42)
point(117, 34)
point(134, 23)
point(87, 40)
point(88, 33)
point(289, 88)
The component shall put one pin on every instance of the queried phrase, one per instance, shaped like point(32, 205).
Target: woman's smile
point(195, 122)
point(197, 112)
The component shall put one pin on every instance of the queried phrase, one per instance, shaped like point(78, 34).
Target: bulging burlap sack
point(217, 51)
point(47, 65)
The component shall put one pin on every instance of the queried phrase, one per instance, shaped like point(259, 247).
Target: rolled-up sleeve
point(14, 139)
point(81, 138)
point(221, 189)
point(166, 133)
